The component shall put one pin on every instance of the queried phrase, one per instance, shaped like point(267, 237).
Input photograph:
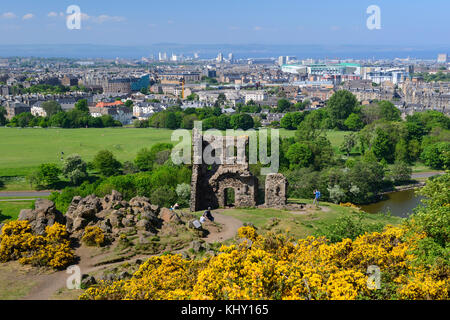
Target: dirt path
point(49, 284)
point(229, 229)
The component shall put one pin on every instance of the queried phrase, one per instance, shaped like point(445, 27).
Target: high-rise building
point(281, 60)
point(442, 58)
point(230, 57)
point(196, 55)
point(162, 56)
point(219, 57)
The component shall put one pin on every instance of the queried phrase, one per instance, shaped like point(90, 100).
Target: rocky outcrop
point(112, 214)
point(44, 214)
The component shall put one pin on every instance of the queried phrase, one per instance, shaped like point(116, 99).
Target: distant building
point(219, 57)
point(122, 114)
point(117, 86)
point(15, 108)
point(69, 81)
point(175, 78)
point(442, 58)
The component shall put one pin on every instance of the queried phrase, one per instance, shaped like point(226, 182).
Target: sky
point(146, 22)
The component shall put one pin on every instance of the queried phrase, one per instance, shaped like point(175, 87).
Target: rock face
point(112, 214)
point(44, 214)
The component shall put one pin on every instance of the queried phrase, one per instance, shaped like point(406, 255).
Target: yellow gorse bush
point(17, 242)
point(275, 267)
point(93, 236)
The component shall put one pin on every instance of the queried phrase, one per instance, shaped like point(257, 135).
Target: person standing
point(316, 197)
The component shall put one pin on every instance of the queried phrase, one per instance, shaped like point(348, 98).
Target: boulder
point(127, 222)
point(43, 215)
point(87, 281)
point(168, 215)
point(115, 217)
point(197, 246)
point(105, 225)
point(112, 200)
point(143, 225)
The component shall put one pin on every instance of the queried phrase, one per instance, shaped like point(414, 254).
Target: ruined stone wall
point(210, 181)
point(276, 190)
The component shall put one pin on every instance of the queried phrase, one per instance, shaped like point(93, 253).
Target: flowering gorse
point(274, 267)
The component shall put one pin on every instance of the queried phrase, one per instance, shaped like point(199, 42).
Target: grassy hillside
point(302, 224)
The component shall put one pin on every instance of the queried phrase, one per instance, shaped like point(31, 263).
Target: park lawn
point(301, 225)
point(23, 149)
point(9, 210)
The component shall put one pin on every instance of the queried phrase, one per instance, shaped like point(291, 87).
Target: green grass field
point(22, 150)
point(9, 210)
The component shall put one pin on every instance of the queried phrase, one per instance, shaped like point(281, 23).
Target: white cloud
point(257, 28)
point(9, 15)
point(101, 18)
point(52, 14)
point(28, 16)
point(105, 18)
point(170, 22)
point(233, 28)
point(335, 28)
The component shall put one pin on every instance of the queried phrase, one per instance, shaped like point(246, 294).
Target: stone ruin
point(275, 190)
point(210, 182)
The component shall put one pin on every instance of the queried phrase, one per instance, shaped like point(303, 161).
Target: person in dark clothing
point(207, 214)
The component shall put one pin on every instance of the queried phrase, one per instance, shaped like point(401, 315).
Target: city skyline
point(408, 23)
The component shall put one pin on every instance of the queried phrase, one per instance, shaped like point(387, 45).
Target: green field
point(9, 210)
point(21, 150)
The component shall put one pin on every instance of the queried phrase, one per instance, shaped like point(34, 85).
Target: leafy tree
point(241, 121)
point(292, 120)
point(106, 164)
point(75, 169)
point(437, 156)
point(49, 173)
point(188, 121)
point(388, 111)
point(164, 196)
point(434, 216)
point(341, 104)
point(383, 147)
point(82, 105)
point(51, 107)
point(283, 105)
point(183, 191)
point(3, 120)
point(299, 155)
point(348, 144)
point(144, 159)
point(354, 122)
point(401, 151)
point(171, 121)
point(129, 104)
point(21, 120)
point(400, 172)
